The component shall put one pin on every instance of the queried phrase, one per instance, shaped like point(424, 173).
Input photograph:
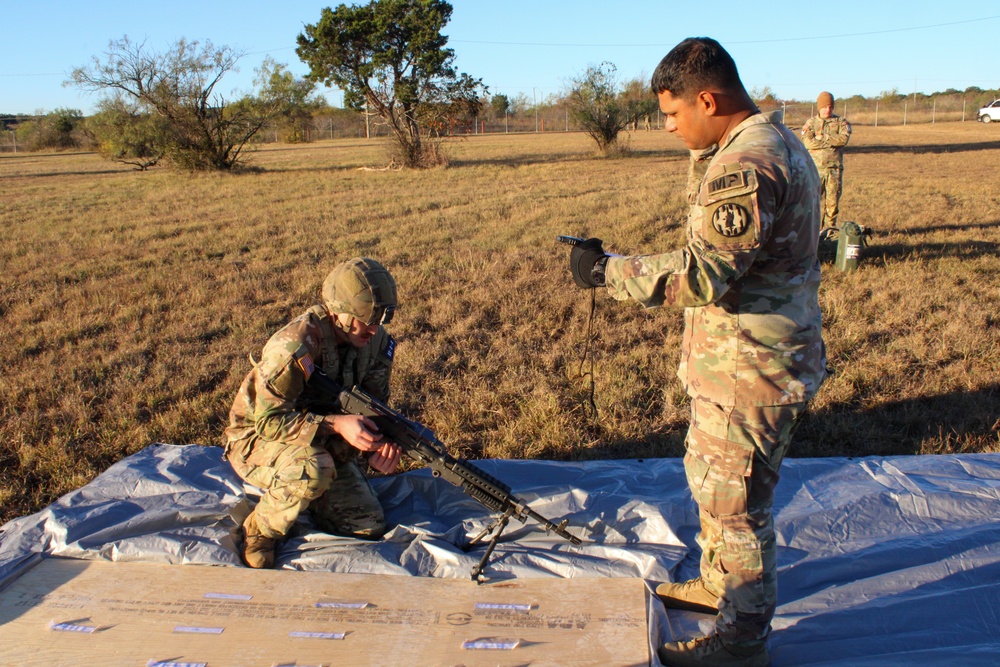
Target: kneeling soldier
point(283, 439)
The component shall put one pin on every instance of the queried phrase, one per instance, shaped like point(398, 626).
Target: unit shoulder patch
point(731, 224)
point(731, 220)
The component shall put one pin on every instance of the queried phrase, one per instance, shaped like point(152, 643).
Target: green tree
point(123, 132)
point(764, 97)
point(445, 116)
point(596, 102)
point(56, 130)
point(294, 99)
point(500, 105)
point(638, 100)
point(520, 104)
point(390, 58)
point(202, 129)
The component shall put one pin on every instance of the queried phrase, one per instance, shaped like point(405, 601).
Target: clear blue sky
point(535, 47)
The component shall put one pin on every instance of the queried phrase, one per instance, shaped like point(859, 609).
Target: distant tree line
point(391, 60)
point(311, 118)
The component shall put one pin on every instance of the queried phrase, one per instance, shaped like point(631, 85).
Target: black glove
point(586, 262)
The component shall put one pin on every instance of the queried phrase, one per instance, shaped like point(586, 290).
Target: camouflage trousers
point(293, 478)
point(832, 180)
point(732, 461)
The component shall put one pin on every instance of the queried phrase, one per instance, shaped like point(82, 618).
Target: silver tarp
point(882, 561)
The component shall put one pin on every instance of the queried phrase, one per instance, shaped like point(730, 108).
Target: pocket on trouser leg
point(305, 478)
point(260, 467)
point(291, 470)
point(294, 478)
point(718, 473)
point(350, 506)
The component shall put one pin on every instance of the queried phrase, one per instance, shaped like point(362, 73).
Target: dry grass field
point(130, 301)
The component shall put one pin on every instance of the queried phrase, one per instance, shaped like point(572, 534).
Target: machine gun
point(419, 443)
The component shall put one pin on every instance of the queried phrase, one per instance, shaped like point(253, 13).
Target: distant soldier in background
point(825, 135)
point(281, 436)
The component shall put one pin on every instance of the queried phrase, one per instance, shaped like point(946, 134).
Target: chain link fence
point(896, 110)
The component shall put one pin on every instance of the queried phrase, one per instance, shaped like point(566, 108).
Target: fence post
point(904, 113)
point(933, 110)
point(876, 113)
point(963, 109)
point(535, 103)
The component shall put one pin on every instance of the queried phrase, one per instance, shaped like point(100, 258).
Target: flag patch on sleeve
point(305, 362)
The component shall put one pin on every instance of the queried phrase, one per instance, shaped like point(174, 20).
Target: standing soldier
point(752, 354)
point(282, 435)
point(825, 135)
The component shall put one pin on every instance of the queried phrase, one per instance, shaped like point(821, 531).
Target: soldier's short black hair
point(696, 64)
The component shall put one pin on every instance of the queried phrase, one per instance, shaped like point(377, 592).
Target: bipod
point(499, 525)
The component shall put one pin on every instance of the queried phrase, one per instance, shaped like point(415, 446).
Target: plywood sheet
point(81, 613)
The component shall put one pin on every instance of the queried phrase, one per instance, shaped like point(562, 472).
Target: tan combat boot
point(712, 650)
point(689, 596)
point(258, 550)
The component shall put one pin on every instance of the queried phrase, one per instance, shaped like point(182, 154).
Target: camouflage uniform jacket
point(748, 276)
point(825, 138)
point(276, 404)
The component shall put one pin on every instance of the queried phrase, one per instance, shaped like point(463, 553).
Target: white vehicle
point(990, 112)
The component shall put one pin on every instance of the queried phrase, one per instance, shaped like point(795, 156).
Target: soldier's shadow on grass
point(956, 422)
point(957, 227)
point(564, 157)
point(879, 254)
point(56, 174)
point(926, 148)
point(666, 444)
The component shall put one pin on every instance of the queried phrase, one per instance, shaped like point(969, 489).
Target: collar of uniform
point(759, 118)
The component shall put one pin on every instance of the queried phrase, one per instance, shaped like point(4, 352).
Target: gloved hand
point(586, 262)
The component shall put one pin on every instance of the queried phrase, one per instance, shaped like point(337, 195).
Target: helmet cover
point(362, 288)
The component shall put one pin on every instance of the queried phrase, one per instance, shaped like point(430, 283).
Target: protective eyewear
point(381, 314)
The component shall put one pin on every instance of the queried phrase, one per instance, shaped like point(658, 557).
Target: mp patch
point(390, 348)
point(731, 220)
point(731, 181)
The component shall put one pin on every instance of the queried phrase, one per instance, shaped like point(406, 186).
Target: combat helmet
point(362, 288)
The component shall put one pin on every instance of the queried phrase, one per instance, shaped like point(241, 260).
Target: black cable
point(587, 352)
